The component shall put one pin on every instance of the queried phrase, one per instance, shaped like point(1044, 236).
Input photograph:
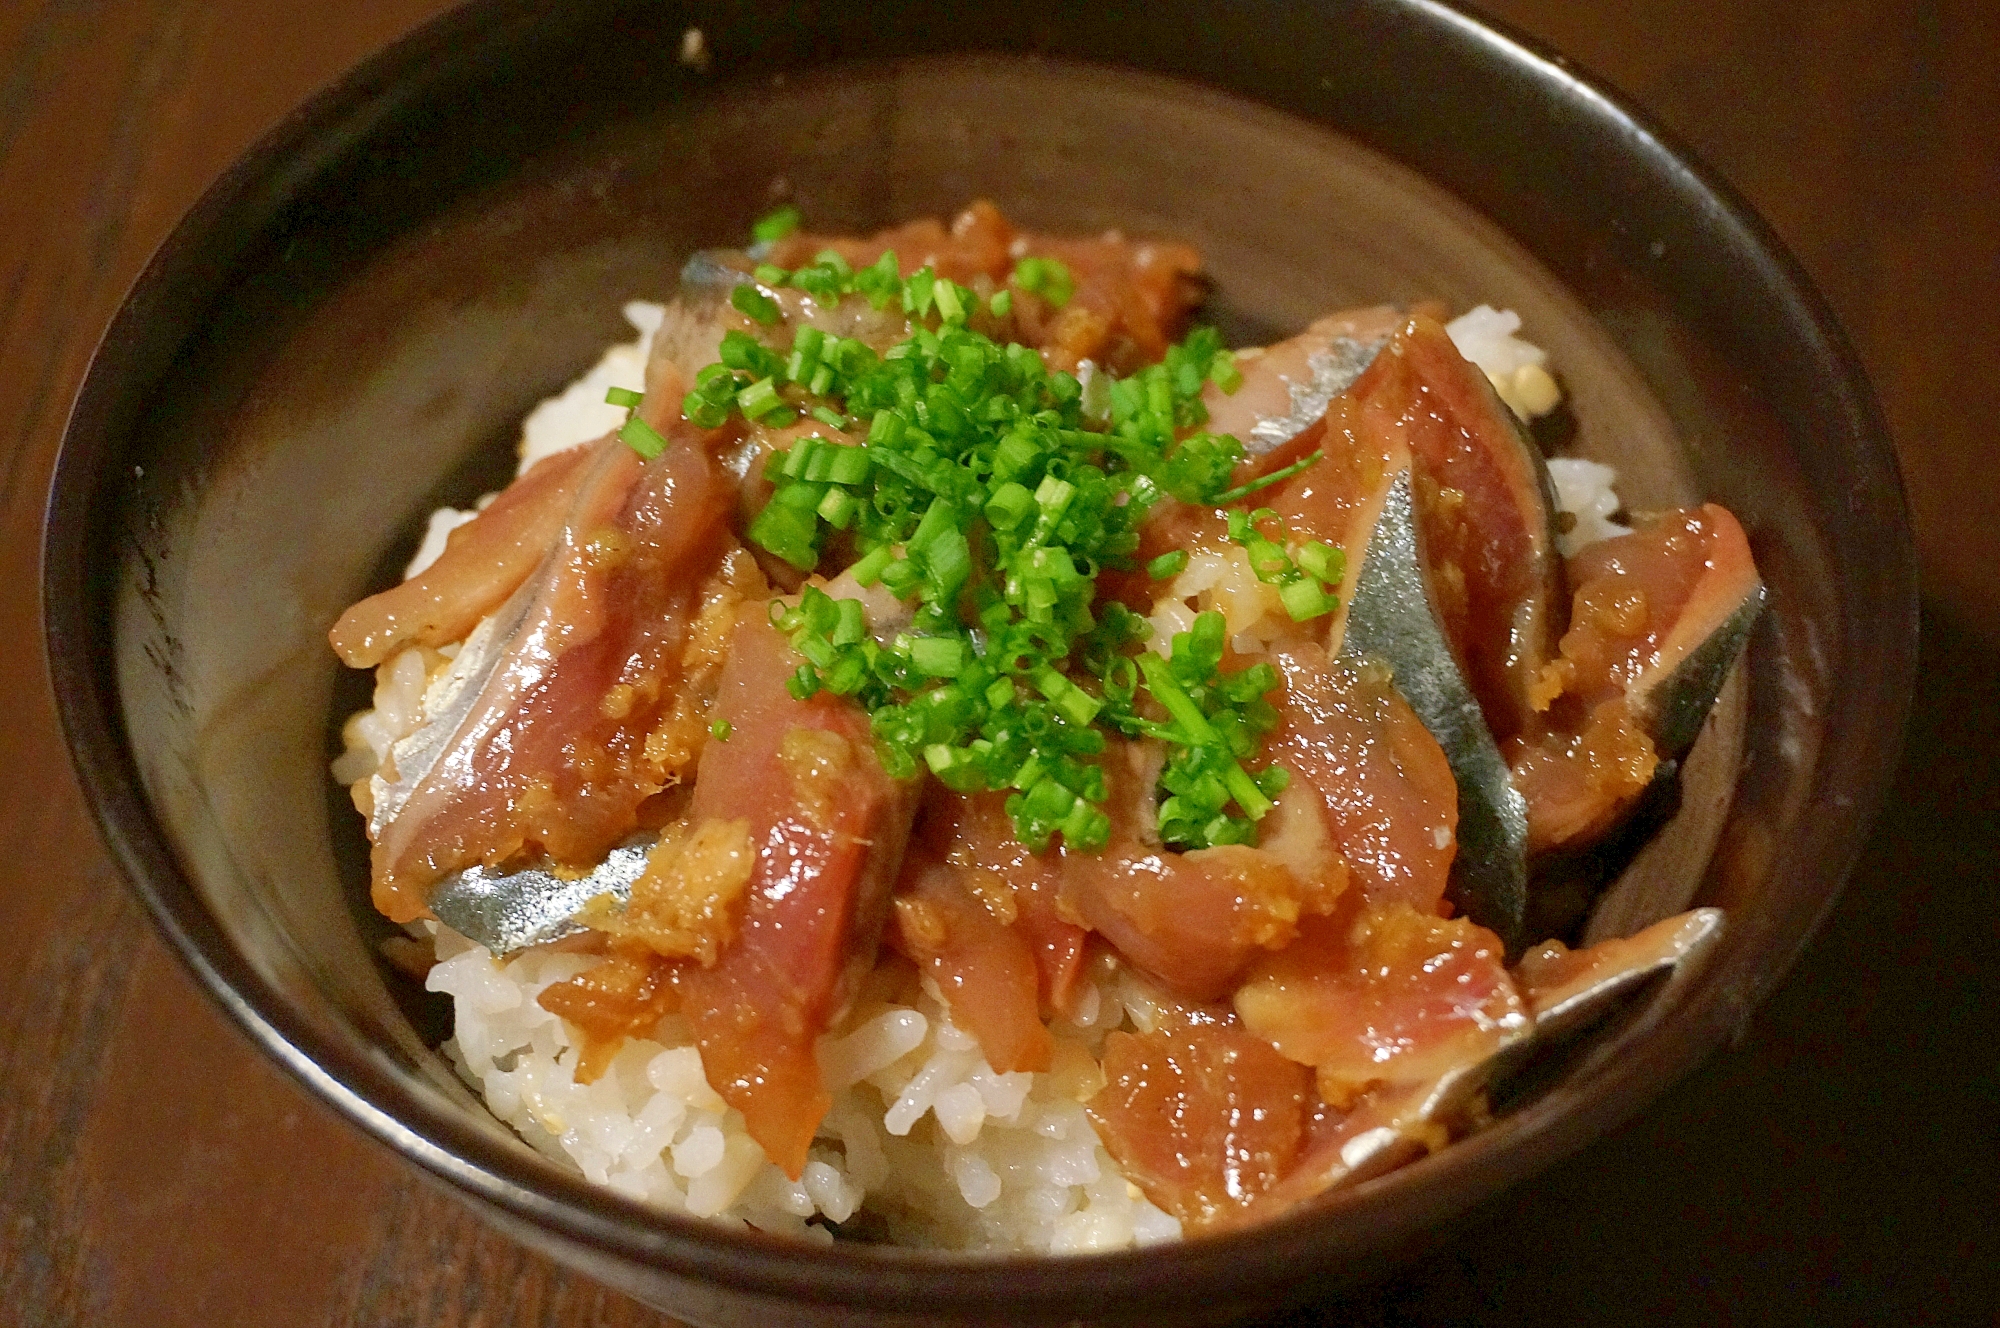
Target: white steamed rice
point(922, 1130)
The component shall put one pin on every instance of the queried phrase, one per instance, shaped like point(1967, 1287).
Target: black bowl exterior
point(346, 325)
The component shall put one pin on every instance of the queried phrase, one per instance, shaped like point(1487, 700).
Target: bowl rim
point(503, 1177)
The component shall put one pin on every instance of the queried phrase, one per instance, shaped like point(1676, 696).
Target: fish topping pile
point(948, 614)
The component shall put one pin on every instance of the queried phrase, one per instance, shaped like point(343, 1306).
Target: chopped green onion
point(1008, 505)
point(989, 500)
point(850, 624)
point(869, 570)
point(938, 656)
point(642, 438)
point(1322, 561)
point(837, 509)
point(758, 399)
point(1046, 277)
point(703, 413)
point(719, 730)
point(1275, 477)
point(754, 304)
point(920, 292)
point(623, 396)
point(1306, 598)
point(1224, 374)
point(949, 308)
point(776, 225)
point(847, 465)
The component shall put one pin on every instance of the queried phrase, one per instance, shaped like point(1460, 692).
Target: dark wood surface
point(1837, 1166)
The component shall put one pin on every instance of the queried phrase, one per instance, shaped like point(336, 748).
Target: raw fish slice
point(483, 563)
point(1659, 619)
point(1390, 804)
point(1287, 387)
point(983, 965)
point(1203, 1117)
point(1393, 617)
point(1130, 298)
point(1192, 921)
point(1564, 994)
point(972, 835)
point(556, 732)
point(1361, 496)
point(829, 827)
point(1383, 998)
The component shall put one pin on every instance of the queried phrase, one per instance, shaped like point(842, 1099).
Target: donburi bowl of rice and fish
point(330, 362)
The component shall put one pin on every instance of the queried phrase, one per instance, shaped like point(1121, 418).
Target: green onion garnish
point(642, 438)
point(776, 225)
point(984, 496)
point(1046, 277)
point(753, 303)
point(1275, 477)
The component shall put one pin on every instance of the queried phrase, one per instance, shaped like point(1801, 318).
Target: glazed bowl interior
point(347, 330)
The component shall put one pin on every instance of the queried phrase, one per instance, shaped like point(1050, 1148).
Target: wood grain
point(1836, 1167)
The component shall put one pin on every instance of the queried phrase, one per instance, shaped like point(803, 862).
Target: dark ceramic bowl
point(346, 329)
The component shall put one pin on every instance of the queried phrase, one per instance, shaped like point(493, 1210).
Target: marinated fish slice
point(1420, 412)
point(604, 473)
point(1191, 921)
point(1131, 300)
point(1127, 299)
point(983, 965)
point(508, 910)
point(1361, 497)
point(1384, 1000)
point(1678, 687)
point(970, 837)
point(1487, 509)
point(484, 562)
point(1566, 989)
point(551, 748)
point(689, 336)
point(1202, 1116)
point(499, 665)
point(1393, 617)
point(1287, 386)
point(1660, 617)
point(1389, 1005)
point(1563, 993)
point(711, 276)
point(1384, 784)
point(829, 827)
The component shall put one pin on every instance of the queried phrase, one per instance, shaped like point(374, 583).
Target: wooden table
point(1839, 1165)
